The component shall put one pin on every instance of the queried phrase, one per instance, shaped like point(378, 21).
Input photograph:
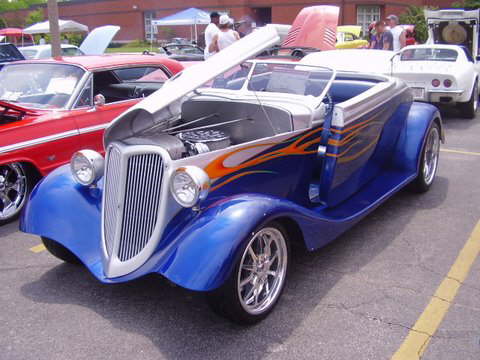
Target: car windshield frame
point(428, 54)
point(13, 50)
point(246, 87)
point(55, 85)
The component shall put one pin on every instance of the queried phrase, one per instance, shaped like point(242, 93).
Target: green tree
point(414, 16)
point(467, 4)
point(9, 5)
point(3, 23)
point(34, 17)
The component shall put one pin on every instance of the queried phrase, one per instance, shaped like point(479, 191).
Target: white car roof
point(361, 60)
point(46, 46)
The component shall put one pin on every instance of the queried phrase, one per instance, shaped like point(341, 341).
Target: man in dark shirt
point(383, 38)
point(387, 39)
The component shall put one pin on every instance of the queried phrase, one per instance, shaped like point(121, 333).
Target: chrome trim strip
point(445, 92)
point(54, 137)
point(93, 128)
point(39, 141)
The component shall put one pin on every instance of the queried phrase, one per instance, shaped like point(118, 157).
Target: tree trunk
point(54, 28)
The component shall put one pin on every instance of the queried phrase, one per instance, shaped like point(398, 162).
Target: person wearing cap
point(398, 33)
point(226, 36)
point(210, 32)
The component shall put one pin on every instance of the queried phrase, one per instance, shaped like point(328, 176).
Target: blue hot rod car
point(209, 180)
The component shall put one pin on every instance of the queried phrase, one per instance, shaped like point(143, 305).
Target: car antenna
point(265, 113)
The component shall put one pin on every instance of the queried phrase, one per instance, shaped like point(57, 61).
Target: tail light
point(447, 83)
point(435, 83)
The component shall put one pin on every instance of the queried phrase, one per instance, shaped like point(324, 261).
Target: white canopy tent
point(191, 16)
point(64, 25)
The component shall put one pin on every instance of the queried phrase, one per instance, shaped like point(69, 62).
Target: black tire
point(10, 171)
point(60, 251)
point(425, 179)
point(469, 109)
point(226, 302)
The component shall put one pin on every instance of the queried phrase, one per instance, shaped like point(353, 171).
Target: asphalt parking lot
point(358, 298)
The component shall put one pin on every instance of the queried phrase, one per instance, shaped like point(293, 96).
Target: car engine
point(186, 143)
point(202, 141)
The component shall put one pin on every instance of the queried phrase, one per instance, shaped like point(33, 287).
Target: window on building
point(263, 15)
point(148, 16)
point(366, 14)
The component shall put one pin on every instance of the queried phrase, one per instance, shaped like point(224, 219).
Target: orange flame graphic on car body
point(216, 169)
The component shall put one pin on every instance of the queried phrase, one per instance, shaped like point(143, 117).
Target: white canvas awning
point(64, 25)
point(192, 16)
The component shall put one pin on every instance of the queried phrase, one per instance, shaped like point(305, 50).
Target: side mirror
point(98, 100)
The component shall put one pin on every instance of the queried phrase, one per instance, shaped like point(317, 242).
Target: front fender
point(65, 211)
point(203, 254)
point(410, 144)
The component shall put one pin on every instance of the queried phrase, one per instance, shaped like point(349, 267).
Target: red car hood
point(315, 27)
point(9, 106)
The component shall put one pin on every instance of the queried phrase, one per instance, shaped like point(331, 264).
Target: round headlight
point(87, 167)
point(189, 185)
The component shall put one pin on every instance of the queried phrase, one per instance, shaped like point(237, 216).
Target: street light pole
point(54, 28)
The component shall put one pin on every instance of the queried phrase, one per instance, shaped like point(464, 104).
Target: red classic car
point(51, 108)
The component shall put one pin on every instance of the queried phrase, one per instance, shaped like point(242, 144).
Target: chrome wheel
point(430, 157)
point(262, 271)
point(13, 190)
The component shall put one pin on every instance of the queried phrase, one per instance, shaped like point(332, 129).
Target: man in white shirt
point(398, 33)
point(210, 32)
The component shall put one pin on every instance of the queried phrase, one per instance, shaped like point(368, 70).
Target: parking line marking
point(427, 324)
point(460, 152)
point(38, 248)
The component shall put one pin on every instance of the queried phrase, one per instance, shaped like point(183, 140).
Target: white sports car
point(446, 74)
point(443, 71)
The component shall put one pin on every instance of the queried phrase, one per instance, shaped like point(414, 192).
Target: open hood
point(166, 102)
point(453, 27)
point(314, 27)
point(98, 39)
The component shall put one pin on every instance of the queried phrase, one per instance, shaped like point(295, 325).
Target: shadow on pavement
point(8, 229)
point(453, 120)
point(179, 323)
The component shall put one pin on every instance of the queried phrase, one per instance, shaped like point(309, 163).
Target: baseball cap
point(393, 17)
point(224, 20)
point(214, 14)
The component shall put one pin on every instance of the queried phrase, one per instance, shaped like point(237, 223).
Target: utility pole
point(54, 28)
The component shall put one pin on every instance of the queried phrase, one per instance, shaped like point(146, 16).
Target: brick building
point(134, 15)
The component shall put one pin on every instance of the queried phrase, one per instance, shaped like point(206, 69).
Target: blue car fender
point(410, 144)
point(62, 210)
point(203, 254)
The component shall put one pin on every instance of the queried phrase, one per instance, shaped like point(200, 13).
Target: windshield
point(39, 85)
point(429, 54)
point(29, 54)
point(183, 50)
point(9, 53)
point(274, 77)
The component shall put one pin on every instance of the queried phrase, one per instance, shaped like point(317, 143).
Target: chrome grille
point(142, 198)
point(110, 215)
